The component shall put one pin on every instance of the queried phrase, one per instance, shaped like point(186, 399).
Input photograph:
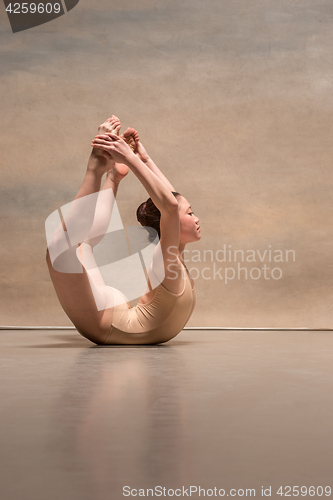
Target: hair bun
point(141, 214)
point(149, 215)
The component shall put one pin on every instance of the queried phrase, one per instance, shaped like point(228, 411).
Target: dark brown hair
point(149, 216)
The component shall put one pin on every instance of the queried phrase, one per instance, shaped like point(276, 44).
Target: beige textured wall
point(233, 99)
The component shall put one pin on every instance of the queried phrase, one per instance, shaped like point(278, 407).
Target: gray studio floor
point(211, 409)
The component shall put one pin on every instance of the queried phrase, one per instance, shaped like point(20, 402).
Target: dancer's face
point(189, 223)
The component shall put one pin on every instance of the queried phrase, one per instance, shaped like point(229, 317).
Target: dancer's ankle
point(112, 176)
point(118, 172)
point(96, 167)
point(99, 163)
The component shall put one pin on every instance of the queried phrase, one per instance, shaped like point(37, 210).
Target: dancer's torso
point(147, 297)
point(158, 320)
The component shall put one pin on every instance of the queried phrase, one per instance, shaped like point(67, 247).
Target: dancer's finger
point(103, 136)
point(113, 136)
point(108, 136)
point(108, 149)
point(100, 141)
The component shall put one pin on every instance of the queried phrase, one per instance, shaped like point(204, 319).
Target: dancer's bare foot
point(113, 125)
point(110, 125)
point(99, 159)
point(131, 137)
point(118, 172)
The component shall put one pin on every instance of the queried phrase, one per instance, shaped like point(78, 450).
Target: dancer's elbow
point(170, 205)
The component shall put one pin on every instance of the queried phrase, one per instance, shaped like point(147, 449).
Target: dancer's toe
point(112, 124)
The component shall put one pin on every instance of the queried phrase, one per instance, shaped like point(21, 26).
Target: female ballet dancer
point(161, 313)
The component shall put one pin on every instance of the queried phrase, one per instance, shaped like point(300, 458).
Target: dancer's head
point(149, 216)
point(189, 222)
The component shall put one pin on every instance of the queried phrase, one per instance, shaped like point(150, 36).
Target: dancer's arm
point(157, 189)
point(141, 152)
point(143, 155)
point(162, 197)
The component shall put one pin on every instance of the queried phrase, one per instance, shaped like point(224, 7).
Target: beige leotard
point(158, 321)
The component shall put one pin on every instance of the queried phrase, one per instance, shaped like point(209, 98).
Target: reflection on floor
point(223, 410)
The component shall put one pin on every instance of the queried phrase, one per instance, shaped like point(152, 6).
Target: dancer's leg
point(77, 292)
point(105, 203)
point(103, 213)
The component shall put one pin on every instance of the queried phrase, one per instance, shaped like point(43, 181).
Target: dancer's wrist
point(130, 158)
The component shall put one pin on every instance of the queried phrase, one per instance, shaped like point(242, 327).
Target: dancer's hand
point(113, 145)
